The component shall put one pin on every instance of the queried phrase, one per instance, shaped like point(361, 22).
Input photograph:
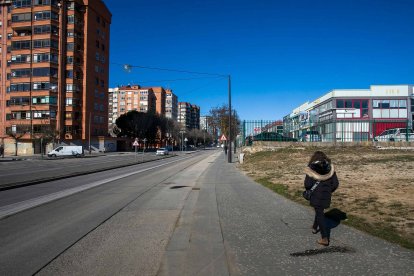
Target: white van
point(76, 151)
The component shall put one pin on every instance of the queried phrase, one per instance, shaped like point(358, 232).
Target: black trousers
point(320, 222)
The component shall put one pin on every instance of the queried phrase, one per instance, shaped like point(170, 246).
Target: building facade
point(189, 115)
point(143, 99)
point(54, 68)
point(354, 115)
point(171, 105)
point(128, 98)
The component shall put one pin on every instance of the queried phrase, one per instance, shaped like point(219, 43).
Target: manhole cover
point(177, 187)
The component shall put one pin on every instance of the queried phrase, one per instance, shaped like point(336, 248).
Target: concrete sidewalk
point(238, 227)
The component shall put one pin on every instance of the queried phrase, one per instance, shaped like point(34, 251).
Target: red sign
point(223, 138)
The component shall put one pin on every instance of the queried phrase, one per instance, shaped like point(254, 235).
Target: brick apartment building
point(54, 68)
point(171, 105)
point(143, 99)
point(128, 98)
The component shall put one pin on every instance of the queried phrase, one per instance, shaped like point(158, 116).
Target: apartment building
point(142, 99)
point(128, 98)
point(171, 105)
point(189, 115)
point(54, 68)
point(160, 97)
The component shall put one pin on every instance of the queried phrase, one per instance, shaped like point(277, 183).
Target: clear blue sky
point(279, 53)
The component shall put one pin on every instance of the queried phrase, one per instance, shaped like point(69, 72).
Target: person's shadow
point(333, 218)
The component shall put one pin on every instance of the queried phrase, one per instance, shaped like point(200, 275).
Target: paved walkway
point(235, 226)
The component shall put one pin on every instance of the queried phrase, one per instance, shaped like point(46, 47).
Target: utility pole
point(89, 138)
point(230, 137)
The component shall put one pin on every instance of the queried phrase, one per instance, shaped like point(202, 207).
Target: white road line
point(11, 209)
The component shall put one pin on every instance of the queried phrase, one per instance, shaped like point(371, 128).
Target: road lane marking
point(11, 209)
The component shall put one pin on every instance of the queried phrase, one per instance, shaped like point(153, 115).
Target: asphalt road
point(27, 170)
point(139, 208)
point(197, 216)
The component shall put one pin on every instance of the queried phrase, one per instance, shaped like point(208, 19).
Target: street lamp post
point(143, 150)
point(182, 140)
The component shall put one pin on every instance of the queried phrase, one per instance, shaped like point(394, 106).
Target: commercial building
point(54, 69)
point(189, 115)
point(353, 114)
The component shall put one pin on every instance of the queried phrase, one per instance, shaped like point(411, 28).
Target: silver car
point(396, 134)
point(162, 151)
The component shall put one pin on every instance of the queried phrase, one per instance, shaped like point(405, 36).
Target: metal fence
point(326, 131)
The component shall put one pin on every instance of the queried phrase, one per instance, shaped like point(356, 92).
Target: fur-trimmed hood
point(319, 177)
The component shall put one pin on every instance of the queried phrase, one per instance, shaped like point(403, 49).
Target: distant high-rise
point(189, 115)
point(54, 68)
point(171, 105)
point(143, 99)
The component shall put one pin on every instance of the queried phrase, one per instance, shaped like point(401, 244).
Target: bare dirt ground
point(376, 185)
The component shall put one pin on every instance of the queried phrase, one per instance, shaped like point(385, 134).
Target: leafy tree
point(139, 125)
point(153, 127)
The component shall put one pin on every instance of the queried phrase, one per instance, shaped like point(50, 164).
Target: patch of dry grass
point(376, 186)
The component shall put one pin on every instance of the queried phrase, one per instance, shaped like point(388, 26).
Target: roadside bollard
point(241, 157)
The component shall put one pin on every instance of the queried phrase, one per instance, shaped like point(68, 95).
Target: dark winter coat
point(321, 196)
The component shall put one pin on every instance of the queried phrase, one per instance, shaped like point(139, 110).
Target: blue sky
point(279, 53)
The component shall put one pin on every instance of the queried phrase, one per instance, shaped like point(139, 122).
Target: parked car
point(310, 136)
point(396, 134)
point(162, 151)
point(76, 151)
point(270, 136)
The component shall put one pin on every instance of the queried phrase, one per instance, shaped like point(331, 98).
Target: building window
point(389, 108)
point(44, 100)
point(22, 3)
point(360, 108)
point(70, 46)
point(22, 17)
point(71, 19)
point(19, 45)
point(16, 87)
point(53, 58)
point(20, 73)
point(45, 72)
point(43, 85)
point(70, 33)
point(20, 59)
point(45, 43)
point(46, 29)
point(45, 15)
point(44, 2)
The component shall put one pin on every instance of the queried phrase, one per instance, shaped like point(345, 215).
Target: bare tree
point(219, 119)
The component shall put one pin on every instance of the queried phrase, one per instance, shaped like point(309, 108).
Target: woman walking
point(321, 172)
